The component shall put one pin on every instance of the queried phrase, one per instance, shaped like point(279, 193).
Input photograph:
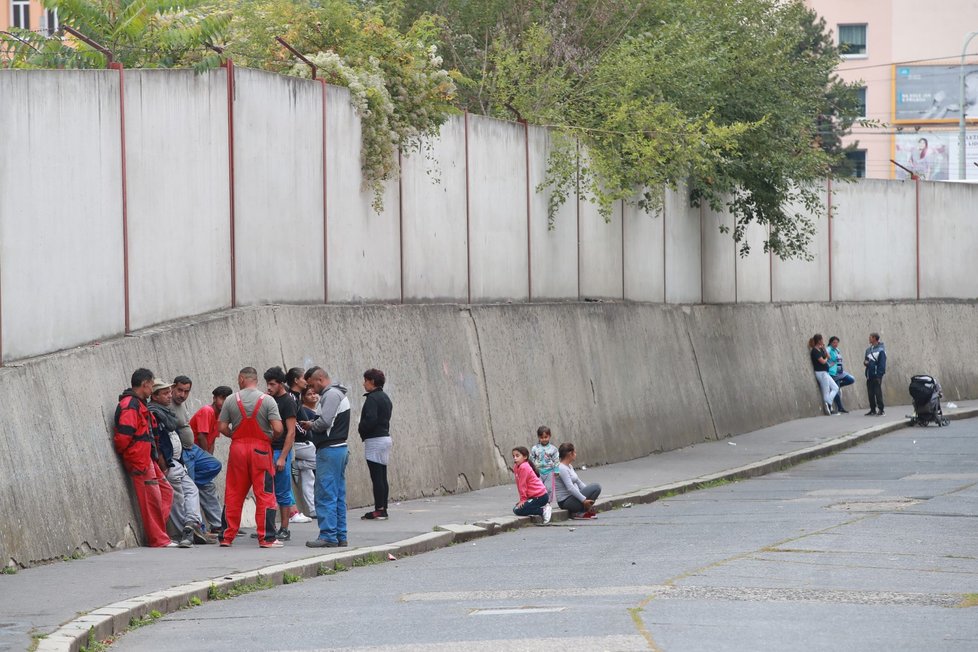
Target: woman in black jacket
point(374, 429)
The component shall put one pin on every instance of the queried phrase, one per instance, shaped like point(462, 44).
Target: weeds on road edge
point(260, 584)
point(969, 600)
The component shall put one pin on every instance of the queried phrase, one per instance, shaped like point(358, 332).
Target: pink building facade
point(907, 56)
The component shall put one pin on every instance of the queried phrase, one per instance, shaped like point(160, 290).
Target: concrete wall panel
point(497, 210)
point(719, 258)
point(873, 225)
point(177, 163)
point(754, 269)
point(433, 204)
point(644, 251)
point(683, 244)
point(805, 280)
point(602, 274)
point(554, 254)
point(61, 251)
point(364, 246)
point(278, 186)
point(948, 240)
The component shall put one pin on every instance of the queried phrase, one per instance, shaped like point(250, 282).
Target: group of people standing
point(545, 474)
point(301, 421)
point(831, 375)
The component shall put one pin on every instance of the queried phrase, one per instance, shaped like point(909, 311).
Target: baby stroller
point(926, 394)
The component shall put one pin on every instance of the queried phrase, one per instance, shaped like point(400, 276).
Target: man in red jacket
point(133, 440)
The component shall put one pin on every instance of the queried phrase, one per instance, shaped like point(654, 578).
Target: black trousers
point(874, 387)
point(378, 477)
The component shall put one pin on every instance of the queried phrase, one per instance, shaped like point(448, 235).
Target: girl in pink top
point(534, 500)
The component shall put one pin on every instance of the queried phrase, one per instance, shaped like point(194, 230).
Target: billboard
point(933, 155)
point(932, 93)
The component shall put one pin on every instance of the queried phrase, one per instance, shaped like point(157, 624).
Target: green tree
point(139, 33)
point(736, 100)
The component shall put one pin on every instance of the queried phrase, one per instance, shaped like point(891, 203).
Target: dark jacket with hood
point(375, 416)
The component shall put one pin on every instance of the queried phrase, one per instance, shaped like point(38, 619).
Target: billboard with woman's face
point(925, 154)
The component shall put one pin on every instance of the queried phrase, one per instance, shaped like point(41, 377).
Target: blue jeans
point(842, 381)
point(201, 465)
point(331, 492)
point(533, 506)
point(283, 482)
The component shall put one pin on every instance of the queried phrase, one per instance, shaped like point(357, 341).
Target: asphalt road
point(875, 548)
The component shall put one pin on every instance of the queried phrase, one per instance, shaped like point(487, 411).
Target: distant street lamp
point(962, 156)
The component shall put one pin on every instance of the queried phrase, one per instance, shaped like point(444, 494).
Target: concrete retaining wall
point(468, 384)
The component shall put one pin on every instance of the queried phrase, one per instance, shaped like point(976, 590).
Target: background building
point(907, 55)
point(27, 14)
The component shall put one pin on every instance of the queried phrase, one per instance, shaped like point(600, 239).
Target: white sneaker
point(299, 517)
point(548, 511)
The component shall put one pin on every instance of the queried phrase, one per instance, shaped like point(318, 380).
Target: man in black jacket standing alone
point(374, 429)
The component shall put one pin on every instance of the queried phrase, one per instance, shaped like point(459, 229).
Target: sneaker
point(376, 515)
point(342, 543)
point(187, 537)
point(225, 545)
point(880, 413)
point(590, 514)
point(299, 517)
point(548, 511)
point(321, 543)
point(577, 516)
point(203, 538)
point(871, 413)
point(283, 535)
point(827, 409)
point(272, 543)
point(843, 411)
point(172, 544)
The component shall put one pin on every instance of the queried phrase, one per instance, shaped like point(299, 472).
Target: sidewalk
point(62, 601)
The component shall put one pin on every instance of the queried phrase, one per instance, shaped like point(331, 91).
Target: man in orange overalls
point(133, 440)
point(251, 419)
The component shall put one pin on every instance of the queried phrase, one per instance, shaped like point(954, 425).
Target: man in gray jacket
point(329, 433)
point(875, 362)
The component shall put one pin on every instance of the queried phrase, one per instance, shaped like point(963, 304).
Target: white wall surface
point(873, 225)
point(644, 238)
point(805, 280)
point(61, 216)
point(754, 269)
point(683, 256)
point(179, 214)
point(601, 252)
point(497, 210)
point(433, 218)
point(61, 262)
point(278, 187)
point(364, 247)
point(948, 240)
point(554, 251)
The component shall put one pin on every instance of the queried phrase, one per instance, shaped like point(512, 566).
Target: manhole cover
point(875, 505)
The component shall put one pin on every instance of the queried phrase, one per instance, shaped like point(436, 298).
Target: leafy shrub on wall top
point(397, 84)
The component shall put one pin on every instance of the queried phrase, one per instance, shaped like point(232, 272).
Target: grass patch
point(76, 554)
point(8, 570)
point(148, 619)
point(719, 482)
point(969, 600)
point(323, 569)
point(94, 645)
point(368, 560)
point(290, 578)
point(339, 568)
point(261, 584)
point(36, 641)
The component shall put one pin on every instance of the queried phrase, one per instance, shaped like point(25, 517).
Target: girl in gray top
point(572, 494)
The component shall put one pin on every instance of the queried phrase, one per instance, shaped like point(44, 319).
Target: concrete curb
point(114, 619)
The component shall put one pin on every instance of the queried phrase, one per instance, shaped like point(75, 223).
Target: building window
point(856, 160)
point(49, 21)
point(852, 40)
point(861, 101)
point(21, 14)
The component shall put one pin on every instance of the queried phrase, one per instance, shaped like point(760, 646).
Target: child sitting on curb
point(534, 500)
point(572, 494)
